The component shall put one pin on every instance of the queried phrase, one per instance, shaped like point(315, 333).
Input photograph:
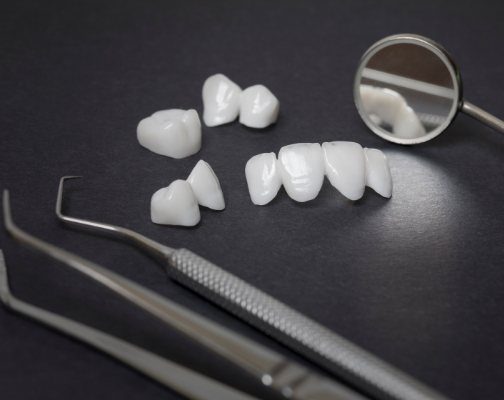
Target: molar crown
point(221, 100)
point(178, 204)
point(258, 107)
point(174, 133)
point(175, 205)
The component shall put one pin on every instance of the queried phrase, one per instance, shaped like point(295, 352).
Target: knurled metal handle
point(302, 334)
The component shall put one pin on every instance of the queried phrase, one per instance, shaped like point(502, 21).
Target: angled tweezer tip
point(9, 224)
point(59, 198)
point(5, 294)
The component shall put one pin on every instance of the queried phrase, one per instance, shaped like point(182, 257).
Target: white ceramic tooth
point(263, 178)
point(206, 186)
point(302, 170)
point(384, 103)
point(407, 124)
point(345, 167)
point(258, 107)
point(221, 100)
point(175, 205)
point(378, 175)
point(173, 133)
point(389, 106)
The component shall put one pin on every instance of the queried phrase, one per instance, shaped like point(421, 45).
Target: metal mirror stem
point(408, 90)
point(482, 116)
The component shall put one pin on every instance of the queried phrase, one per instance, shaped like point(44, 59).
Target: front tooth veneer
point(302, 170)
point(263, 178)
point(175, 205)
point(258, 107)
point(221, 100)
point(345, 167)
point(378, 175)
point(173, 133)
point(206, 186)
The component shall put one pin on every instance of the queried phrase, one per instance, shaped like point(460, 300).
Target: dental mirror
point(408, 90)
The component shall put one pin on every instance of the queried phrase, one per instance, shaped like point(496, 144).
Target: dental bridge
point(372, 377)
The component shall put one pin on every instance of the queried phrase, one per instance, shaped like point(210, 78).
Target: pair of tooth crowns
point(178, 204)
point(224, 100)
point(177, 133)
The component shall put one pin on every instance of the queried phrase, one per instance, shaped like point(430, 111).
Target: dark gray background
point(418, 279)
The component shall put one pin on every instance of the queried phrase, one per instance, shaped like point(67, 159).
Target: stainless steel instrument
point(184, 381)
point(423, 86)
point(346, 360)
point(286, 377)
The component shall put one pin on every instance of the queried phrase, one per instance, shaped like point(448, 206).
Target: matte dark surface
point(418, 279)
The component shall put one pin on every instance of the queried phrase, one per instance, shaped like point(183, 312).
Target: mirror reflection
point(407, 90)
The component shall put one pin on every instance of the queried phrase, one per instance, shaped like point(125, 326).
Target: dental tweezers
point(341, 357)
point(186, 382)
point(284, 376)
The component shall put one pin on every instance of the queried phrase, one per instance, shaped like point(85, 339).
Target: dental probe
point(184, 381)
point(346, 360)
point(289, 379)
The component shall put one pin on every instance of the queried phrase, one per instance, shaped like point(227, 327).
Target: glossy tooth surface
point(378, 175)
point(173, 133)
point(383, 103)
point(302, 170)
point(407, 124)
point(258, 107)
point(221, 100)
point(175, 205)
point(389, 106)
point(206, 186)
point(263, 178)
point(345, 167)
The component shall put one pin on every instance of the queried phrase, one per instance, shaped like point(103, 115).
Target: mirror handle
point(482, 116)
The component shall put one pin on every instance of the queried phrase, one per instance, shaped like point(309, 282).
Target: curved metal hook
point(252, 357)
point(152, 247)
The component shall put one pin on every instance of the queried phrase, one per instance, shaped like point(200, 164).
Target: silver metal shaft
point(286, 377)
point(184, 381)
point(153, 248)
point(365, 371)
point(344, 359)
point(482, 116)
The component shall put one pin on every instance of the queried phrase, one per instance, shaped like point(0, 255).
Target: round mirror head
point(407, 89)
